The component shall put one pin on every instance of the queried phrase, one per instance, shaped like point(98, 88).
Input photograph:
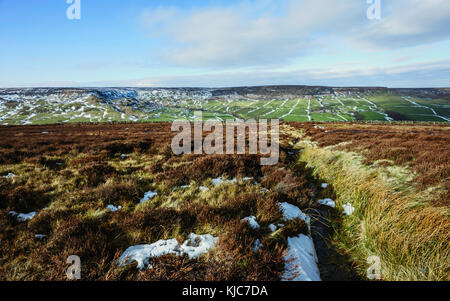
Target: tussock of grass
point(391, 220)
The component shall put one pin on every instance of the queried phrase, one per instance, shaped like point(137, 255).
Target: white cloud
point(274, 33)
point(408, 23)
point(418, 75)
point(426, 74)
point(248, 35)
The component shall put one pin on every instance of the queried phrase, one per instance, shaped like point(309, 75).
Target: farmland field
point(100, 191)
point(287, 103)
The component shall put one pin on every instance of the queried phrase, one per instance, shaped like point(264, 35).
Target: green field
point(376, 107)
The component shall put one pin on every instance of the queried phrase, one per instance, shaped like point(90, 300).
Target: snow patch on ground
point(272, 227)
point(218, 181)
point(21, 217)
point(291, 110)
point(292, 212)
point(422, 106)
point(348, 209)
point(301, 260)
point(257, 245)
point(252, 221)
point(9, 176)
point(327, 202)
point(324, 185)
point(194, 246)
point(264, 190)
point(113, 208)
point(339, 115)
point(148, 196)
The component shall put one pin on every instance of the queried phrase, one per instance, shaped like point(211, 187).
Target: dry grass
point(72, 173)
point(423, 148)
point(396, 218)
point(398, 183)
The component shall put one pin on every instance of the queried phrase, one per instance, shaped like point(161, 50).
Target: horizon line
point(222, 87)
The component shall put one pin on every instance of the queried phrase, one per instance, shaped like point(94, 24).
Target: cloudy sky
point(225, 43)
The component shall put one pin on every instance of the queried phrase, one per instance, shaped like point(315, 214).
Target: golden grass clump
point(392, 219)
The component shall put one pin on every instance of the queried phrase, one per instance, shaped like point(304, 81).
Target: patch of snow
point(40, 236)
point(194, 246)
point(148, 196)
point(348, 209)
point(257, 245)
point(422, 106)
point(327, 202)
point(21, 217)
point(324, 185)
point(252, 221)
point(291, 212)
point(339, 115)
point(272, 227)
point(268, 103)
point(142, 253)
point(185, 186)
point(264, 190)
point(218, 181)
point(113, 208)
point(203, 188)
point(301, 260)
point(44, 133)
point(9, 176)
point(291, 110)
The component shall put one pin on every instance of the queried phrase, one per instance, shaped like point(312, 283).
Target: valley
point(287, 103)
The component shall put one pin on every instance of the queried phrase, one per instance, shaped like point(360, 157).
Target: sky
point(223, 43)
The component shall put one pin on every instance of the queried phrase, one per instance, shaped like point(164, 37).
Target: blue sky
point(224, 43)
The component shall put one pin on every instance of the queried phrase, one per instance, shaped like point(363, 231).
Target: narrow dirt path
point(333, 265)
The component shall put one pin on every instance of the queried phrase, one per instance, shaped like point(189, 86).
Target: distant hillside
point(289, 103)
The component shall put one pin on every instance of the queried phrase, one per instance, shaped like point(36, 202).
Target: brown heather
point(72, 173)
